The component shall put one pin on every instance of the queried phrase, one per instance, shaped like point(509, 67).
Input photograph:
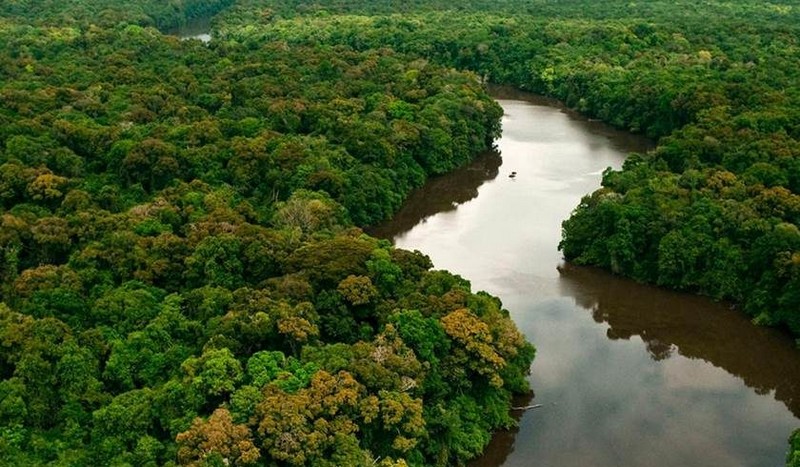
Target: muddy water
point(627, 374)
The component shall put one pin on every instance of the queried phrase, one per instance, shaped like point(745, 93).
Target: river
point(626, 374)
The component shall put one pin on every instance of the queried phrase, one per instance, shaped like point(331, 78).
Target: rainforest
point(185, 277)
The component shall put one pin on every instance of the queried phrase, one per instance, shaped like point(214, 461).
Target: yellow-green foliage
point(181, 279)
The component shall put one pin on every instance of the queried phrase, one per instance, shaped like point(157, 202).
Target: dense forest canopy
point(158, 13)
point(181, 279)
point(715, 208)
point(793, 456)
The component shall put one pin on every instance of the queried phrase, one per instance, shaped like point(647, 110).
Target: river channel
point(627, 374)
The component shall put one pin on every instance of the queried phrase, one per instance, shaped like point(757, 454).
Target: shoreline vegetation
point(714, 208)
point(177, 219)
point(182, 278)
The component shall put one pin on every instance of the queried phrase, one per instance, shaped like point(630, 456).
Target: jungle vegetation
point(714, 209)
point(183, 280)
point(175, 214)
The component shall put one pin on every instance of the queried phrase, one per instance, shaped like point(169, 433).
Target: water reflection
point(765, 359)
point(502, 443)
point(595, 134)
point(645, 377)
point(441, 194)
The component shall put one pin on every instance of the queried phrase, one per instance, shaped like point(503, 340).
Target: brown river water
point(627, 374)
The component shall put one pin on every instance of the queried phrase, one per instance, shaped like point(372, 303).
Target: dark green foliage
point(177, 238)
point(156, 13)
point(713, 208)
point(793, 456)
point(175, 217)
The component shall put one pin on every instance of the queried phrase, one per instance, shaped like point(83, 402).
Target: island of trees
point(183, 280)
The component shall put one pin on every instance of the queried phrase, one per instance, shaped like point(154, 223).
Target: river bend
point(627, 374)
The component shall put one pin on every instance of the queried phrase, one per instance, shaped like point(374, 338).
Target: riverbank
point(622, 368)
